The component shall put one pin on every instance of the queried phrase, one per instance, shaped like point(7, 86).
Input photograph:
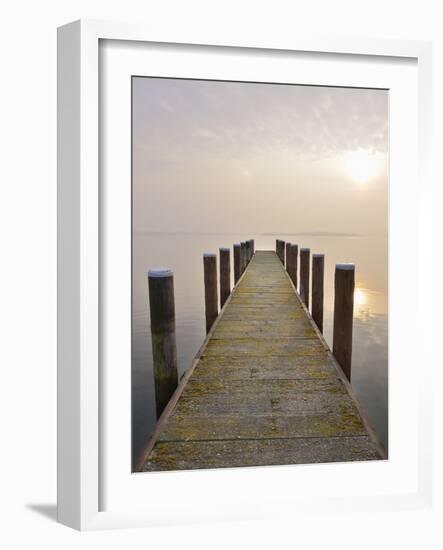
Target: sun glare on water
point(360, 302)
point(361, 165)
point(359, 297)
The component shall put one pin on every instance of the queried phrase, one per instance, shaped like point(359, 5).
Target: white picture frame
point(81, 395)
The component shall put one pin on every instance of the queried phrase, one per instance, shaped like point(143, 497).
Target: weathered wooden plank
point(270, 329)
point(267, 387)
point(276, 347)
point(274, 363)
point(239, 325)
point(258, 290)
point(272, 306)
point(249, 372)
point(189, 428)
point(248, 313)
point(265, 298)
point(264, 285)
point(189, 455)
point(265, 405)
point(269, 334)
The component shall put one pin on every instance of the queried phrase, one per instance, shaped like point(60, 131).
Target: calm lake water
point(183, 254)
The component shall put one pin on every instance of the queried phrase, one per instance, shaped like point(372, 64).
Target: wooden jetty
point(264, 388)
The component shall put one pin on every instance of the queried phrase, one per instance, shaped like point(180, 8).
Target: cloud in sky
point(194, 140)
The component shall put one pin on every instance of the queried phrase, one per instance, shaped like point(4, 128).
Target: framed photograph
point(238, 240)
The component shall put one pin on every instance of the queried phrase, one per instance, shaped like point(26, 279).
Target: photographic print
point(259, 274)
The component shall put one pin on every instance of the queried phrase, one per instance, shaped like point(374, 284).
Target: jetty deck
point(264, 388)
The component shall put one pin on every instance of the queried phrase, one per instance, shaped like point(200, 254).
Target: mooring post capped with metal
point(164, 349)
point(318, 270)
point(282, 252)
point(248, 251)
point(304, 275)
point(344, 284)
point(237, 262)
point(211, 293)
point(278, 248)
point(287, 255)
point(225, 275)
point(293, 267)
point(243, 256)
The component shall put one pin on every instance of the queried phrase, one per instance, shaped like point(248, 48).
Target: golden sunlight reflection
point(359, 297)
point(361, 305)
point(368, 303)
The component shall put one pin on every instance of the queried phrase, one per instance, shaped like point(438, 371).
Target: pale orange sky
point(241, 157)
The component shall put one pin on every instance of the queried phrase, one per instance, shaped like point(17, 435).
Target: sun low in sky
point(362, 166)
point(238, 156)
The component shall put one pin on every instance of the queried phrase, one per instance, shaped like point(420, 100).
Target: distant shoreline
point(314, 234)
point(273, 234)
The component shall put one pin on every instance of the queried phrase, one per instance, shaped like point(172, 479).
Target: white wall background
point(28, 267)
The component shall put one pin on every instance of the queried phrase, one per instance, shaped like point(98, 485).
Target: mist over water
point(183, 253)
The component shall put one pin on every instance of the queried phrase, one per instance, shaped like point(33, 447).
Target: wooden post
point(290, 261)
point(318, 270)
point(282, 252)
point(243, 256)
point(225, 275)
point(343, 315)
point(211, 298)
point(237, 263)
point(164, 349)
point(304, 275)
point(278, 245)
point(288, 254)
point(248, 251)
point(294, 260)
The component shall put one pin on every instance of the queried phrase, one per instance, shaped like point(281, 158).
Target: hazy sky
point(241, 157)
